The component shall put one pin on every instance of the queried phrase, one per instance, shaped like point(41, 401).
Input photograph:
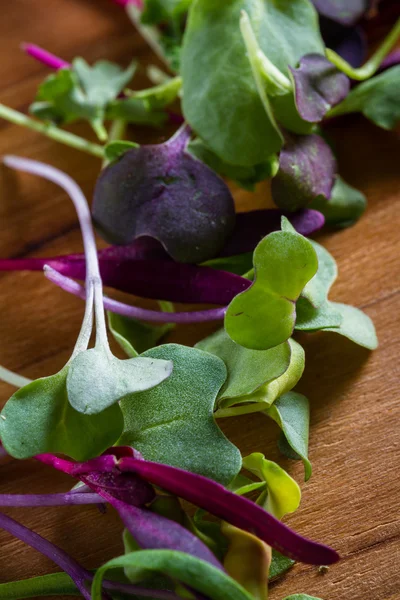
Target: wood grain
point(353, 499)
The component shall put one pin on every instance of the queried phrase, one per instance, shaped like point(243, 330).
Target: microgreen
point(93, 380)
point(136, 337)
point(345, 12)
point(142, 193)
point(264, 315)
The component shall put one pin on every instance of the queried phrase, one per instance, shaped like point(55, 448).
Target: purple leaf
point(237, 510)
point(163, 192)
point(391, 60)
point(346, 12)
point(167, 280)
point(307, 169)
point(74, 497)
point(153, 531)
point(318, 86)
point(251, 227)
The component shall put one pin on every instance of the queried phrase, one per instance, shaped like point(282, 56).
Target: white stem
point(93, 279)
point(13, 378)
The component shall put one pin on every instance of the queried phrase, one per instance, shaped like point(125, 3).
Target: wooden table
point(353, 499)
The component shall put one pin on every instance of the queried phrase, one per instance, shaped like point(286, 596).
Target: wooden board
point(353, 499)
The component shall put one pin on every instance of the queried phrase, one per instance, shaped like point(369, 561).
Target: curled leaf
point(283, 494)
point(319, 86)
point(247, 369)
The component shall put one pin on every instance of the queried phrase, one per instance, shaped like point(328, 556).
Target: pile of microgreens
point(257, 85)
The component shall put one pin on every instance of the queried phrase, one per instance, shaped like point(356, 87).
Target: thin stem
point(60, 584)
point(68, 499)
point(244, 409)
point(13, 378)
point(373, 64)
point(51, 131)
point(180, 139)
point(117, 132)
point(93, 279)
point(46, 58)
point(77, 573)
point(149, 34)
point(71, 286)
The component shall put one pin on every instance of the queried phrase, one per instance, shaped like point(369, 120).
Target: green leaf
point(218, 83)
point(247, 369)
point(157, 11)
point(97, 379)
point(344, 207)
point(81, 92)
point(242, 485)
point(283, 494)
point(174, 423)
point(268, 393)
point(264, 315)
point(310, 318)
point(317, 289)
point(279, 565)
point(246, 177)
point(161, 95)
point(196, 573)
point(356, 326)
point(38, 418)
point(292, 413)
point(55, 584)
point(134, 110)
point(114, 150)
point(136, 337)
point(377, 99)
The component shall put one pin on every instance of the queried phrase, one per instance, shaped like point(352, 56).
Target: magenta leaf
point(346, 12)
point(318, 87)
point(307, 169)
point(237, 510)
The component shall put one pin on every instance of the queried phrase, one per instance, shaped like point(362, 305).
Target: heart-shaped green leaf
point(283, 494)
point(97, 379)
point(355, 325)
point(173, 423)
point(344, 207)
point(310, 318)
point(38, 418)
point(317, 289)
point(292, 413)
point(247, 369)
point(264, 315)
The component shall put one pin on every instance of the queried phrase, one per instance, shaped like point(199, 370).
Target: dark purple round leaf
point(307, 169)
point(318, 86)
point(163, 192)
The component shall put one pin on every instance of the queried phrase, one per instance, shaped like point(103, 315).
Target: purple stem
point(45, 57)
point(134, 312)
point(78, 574)
point(70, 498)
point(137, 3)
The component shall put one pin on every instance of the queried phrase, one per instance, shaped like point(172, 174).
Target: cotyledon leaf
point(317, 289)
point(173, 423)
point(264, 315)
